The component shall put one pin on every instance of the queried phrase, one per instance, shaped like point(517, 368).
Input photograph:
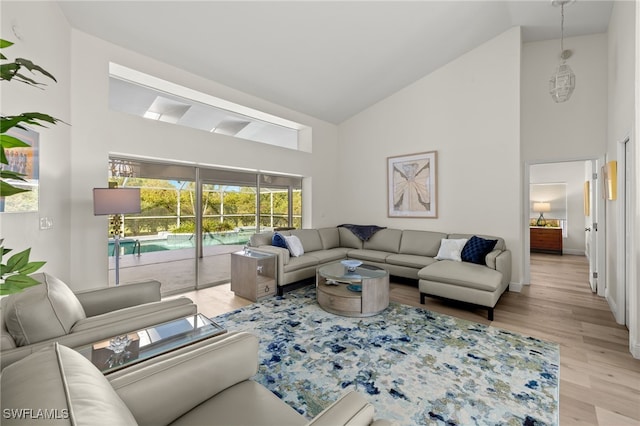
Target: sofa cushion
point(63, 381)
point(310, 239)
point(462, 274)
point(410, 260)
point(294, 245)
point(261, 239)
point(451, 249)
point(42, 312)
point(421, 243)
point(301, 262)
point(330, 237)
point(476, 249)
point(384, 240)
point(278, 240)
point(370, 255)
point(349, 239)
point(331, 255)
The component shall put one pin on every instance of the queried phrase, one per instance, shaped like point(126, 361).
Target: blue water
point(181, 241)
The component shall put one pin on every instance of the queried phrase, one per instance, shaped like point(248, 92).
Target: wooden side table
point(545, 240)
point(253, 275)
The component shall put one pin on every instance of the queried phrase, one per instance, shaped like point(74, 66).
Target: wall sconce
point(611, 180)
point(116, 202)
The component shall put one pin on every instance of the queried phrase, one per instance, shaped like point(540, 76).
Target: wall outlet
point(46, 223)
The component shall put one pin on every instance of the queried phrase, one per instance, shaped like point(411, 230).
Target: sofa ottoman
point(462, 281)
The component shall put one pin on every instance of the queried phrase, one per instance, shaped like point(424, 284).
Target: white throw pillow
point(294, 245)
point(451, 249)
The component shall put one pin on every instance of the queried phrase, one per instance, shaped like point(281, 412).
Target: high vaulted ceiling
point(328, 59)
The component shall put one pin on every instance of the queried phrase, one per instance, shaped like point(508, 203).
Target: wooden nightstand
point(545, 240)
point(253, 275)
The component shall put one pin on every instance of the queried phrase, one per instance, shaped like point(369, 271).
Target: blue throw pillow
point(476, 249)
point(278, 241)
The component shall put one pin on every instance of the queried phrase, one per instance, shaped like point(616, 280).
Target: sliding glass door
point(193, 218)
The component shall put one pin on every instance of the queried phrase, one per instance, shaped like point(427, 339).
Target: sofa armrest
point(503, 265)
point(95, 330)
point(162, 389)
point(282, 258)
point(351, 409)
point(101, 300)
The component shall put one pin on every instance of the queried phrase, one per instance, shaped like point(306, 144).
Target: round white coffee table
point(361, 293)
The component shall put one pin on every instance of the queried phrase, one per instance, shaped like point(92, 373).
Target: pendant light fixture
point(563, 80)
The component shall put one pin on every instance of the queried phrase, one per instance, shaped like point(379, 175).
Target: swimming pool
point(168, 241)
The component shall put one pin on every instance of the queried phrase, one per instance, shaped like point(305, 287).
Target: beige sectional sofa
point(207, 383)
point(404, 253)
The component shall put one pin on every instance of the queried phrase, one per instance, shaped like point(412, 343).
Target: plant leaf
point(7, 141)
point(10, 174)
point(31, 267)
point(33, 67)
point(24, 79)
point(7, 190)
point(18, 261)
point(32, 118)
point(5, 43)
point(9, 288)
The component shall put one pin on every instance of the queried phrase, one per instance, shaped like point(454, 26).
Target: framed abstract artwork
point(411, 181)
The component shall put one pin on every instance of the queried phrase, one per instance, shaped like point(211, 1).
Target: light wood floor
point(599, 379)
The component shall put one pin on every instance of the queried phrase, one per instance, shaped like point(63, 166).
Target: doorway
point(581, 222)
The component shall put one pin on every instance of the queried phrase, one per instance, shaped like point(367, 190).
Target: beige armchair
point(51, 312)
point(204, 384)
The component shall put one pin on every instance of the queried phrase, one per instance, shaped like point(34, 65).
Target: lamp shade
point(541, 207)
point(116, 201)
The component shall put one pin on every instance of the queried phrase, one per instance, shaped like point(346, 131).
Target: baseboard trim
point(614, 309)
point(573, 252)
point(515, 287)
point(634, 347)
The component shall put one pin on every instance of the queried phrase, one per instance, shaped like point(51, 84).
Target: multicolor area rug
point(415, 366)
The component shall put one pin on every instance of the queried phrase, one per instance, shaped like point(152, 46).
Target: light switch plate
point(46, 223)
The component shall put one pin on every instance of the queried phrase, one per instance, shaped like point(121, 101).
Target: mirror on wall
point(548, 204)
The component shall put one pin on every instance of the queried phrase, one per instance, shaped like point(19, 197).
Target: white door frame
point(624, 246)
point(526, 258)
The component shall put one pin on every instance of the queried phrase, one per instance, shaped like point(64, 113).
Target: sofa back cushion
point(421, 243)
point(384, 240)
point(261, 239)
point(500, 244)
point(330, 237)
point(42, 312)
point(310, 239)
point(348, 239)
point(64, 383)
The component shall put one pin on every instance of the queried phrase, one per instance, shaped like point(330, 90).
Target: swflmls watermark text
point(35, 413)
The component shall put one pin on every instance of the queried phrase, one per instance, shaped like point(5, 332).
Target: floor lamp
point(116, 202)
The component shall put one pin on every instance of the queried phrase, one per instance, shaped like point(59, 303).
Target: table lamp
point(541, 208)
point(116, 202)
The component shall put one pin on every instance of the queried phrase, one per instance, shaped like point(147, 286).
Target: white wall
point(571, 174)
point(571, 130)
point(621, 63)
point(46, 41)
point(467, 111)
point(97, 131)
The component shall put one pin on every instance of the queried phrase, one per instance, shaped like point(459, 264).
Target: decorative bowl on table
point(351, 265)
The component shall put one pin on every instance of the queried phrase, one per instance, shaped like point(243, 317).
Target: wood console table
point(545, 240)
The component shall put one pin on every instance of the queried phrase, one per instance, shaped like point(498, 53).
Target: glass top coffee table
point(124, 350)
point(362, 292)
